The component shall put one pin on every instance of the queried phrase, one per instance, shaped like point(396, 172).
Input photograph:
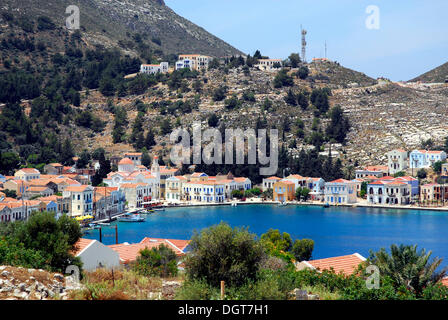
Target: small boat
point(326, 205)
point(234, 204)
point(132, 218)
point(158, 209)
point(282, 204)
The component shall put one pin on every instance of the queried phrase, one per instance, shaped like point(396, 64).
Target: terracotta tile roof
point(125, 161)
point(130, 252)
point(181, 244)
point(51, 198)
point(274, 178)
point(376, 168)
point(444, 281)
point(345, 264)
point(295, 176)
point(340, 181)
point(81, 245)
point(133, 154)
point(81, 188)
point(37, 189)
point(55, 164)
point(240, 179)
point(29, 170)
point(387, 178)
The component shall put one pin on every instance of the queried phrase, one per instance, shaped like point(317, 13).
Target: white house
point(397, 160)
point(389, 192)
point(340, 191)
point(268, 183)
point(94, 254)
point(204, 191)
point(269, 64)
point(154, 68)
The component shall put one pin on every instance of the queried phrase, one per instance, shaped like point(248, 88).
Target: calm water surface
point(335, 231)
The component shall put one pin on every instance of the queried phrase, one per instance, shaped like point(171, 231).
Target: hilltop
point(112, 24)
point(439, 74)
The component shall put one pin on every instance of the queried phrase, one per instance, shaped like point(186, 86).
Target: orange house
point(284, 191)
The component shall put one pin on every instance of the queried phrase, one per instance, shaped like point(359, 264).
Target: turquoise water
point(335, 231)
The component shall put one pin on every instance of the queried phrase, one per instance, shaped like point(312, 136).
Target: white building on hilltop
point(163, 67)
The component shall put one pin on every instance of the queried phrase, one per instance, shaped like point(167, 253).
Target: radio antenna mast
point(303, 32)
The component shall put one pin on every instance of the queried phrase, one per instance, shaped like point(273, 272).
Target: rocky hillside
point(18, 283)
point(114, 23)
point(439, 74)
point(333, 75)
point(384, 116)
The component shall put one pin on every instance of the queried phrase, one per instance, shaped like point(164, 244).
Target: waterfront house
point(268, 183)
point(413, 182)
point(389, 192)
point(27, 174)
point(163, 67)
point(243, 183)
point(424, 159)
point(174, 188)
point(284, 190)
point(397, 160)
point(108, 201)
point(81, 199)
point(434, 192)
point(94, 255)
point(204, 191)
point(297, 179)
point(135, 194)
point(346, 265)
point(317, 188)
point(340, 191)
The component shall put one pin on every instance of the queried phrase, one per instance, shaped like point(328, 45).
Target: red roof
point(126, 161)
point(81, 245)
point(343, 264)
point(181, 244)
point(130, 252)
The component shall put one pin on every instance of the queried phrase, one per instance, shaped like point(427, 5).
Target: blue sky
point(412, 38)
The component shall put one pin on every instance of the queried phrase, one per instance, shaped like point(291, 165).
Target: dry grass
point(119, 285)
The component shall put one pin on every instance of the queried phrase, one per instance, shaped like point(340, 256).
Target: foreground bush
point(41, 242)
point(160, 261)
point(220, 253)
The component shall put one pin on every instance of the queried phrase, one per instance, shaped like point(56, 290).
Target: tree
point(437, 166)
point(160, 261)
point(149, 139)
point(165, 126)
point(107, 87)
point(303, 72)
point(279, 241)
point(282, 79)
point(408, 267)
point(83, 160)
point(220, 253)
point(303, 249)
point(237, 194)
point(213, 120)
point(52, 239)
point(8, 162)
point(421, 174)
point(338, 126)
point(294, 60)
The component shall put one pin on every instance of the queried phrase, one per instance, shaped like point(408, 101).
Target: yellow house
point(284, 191)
